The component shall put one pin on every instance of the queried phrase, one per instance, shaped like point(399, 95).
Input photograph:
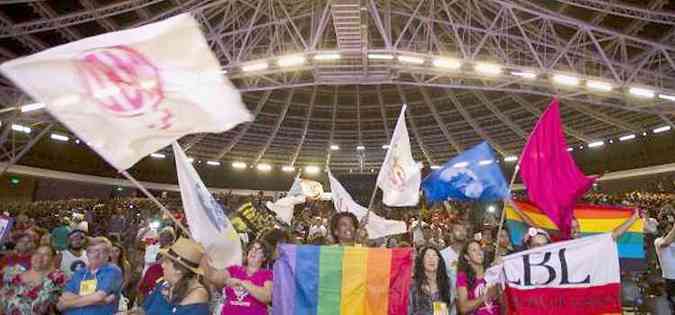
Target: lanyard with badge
point(87, 286)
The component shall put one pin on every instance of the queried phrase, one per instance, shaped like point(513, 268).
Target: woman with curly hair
point(430, 289)
point(35, 291)
point(474, 297)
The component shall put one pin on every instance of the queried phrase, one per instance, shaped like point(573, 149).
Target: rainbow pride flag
point(593, 219)
point(336, 280)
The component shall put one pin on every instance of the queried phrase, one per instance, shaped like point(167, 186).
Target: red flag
point(553, 180)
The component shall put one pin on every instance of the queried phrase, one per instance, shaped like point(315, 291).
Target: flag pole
point(157, 203)
point(503, 215)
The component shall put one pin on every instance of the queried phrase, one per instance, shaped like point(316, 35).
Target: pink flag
point(553, 180)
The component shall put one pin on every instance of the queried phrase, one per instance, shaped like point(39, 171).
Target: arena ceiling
point(336, 72)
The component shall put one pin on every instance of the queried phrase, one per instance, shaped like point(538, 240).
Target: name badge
point(440, 308)
point(87, 287)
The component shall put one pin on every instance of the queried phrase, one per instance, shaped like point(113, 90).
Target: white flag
point(284, 206)
point(377, 226)
point(130, 93)
point(207, 221)
point(400, 176)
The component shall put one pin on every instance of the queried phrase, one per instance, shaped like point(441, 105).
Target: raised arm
point(219, 278)
point(619, 230)
point(668, 239)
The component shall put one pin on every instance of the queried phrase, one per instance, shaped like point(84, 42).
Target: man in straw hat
point(93, 290)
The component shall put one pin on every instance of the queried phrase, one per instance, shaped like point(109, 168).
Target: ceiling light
point(640, 92)
point(255, 67)
point(289, 61)
point(32, 107)
point(264, 167)
point(21, 128)
point(661, 129)
point(411, 59)
point(485, 162)
point(491, 209)
point(565, 79)
point(461, 165)
point(380, 56)
point(59, 137)
point(524, 74)
point(360, 148)
point(511, 158)
point(488, 68)
point(239, 165)
point(214, 163)
point(596, 144)
point(435, 167)
point(447, 63)
point(570, 149)
point(667, 97)
point(385, 146)
point(599, 85)
point(334, 147)
point(288, 168)
point(627, 137)
point(311, 169)
point(157, 155)
point(322, 57)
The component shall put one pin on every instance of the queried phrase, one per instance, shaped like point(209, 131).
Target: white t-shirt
point(71, 263)
point(666, 258)
point(451, 259)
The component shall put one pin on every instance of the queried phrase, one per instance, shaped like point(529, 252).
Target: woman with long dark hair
point(430, 288)
point(248, 288)
point(473, 295)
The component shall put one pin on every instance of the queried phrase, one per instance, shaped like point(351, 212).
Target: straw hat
point(186, 252)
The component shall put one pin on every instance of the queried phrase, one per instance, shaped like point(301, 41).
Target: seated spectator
point(96, 288)
point(35, 291)
point(430, 290)
point(74, 258)
point(182, 292)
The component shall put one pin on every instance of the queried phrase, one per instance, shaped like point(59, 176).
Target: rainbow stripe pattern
point(593, 219)
point(335, 280)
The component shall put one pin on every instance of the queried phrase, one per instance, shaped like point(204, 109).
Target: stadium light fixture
point(446, 63)
point(641, 92)
point(264, 167)
point(360, 148)
point(21, 128)
point(213, 163)
point(157, 156)
point(524, 74)
point(380, 56)
point(491, 209)
point(239, 165)
point(255, 67)
point(596, 144)
point(661, 129)
point(312, 169)
point(334, 147)
point(599, 85)
point(288, 168)
point(667, 97)
point(326, 57)
point(31, 107)
point(511, 158)
point(488, 68)
point(570, 149)
point(385, 147)
point(58, 137)
point(627, 137)
point(290, 61)
point(411, 60)
point(563, 79)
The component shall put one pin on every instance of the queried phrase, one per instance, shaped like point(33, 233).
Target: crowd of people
point(124, 256)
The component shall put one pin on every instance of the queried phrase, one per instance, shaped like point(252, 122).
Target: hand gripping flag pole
point(503, 215)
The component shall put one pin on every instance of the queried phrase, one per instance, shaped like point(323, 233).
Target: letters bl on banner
point(573, 277)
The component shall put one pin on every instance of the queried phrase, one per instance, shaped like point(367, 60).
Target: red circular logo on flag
point(121, 80)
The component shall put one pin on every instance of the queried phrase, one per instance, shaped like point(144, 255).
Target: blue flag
point(473, 175)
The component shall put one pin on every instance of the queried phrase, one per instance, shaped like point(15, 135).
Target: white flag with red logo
point(130, 93)
point(581, 276)
point(377, 226)
point(400, 175)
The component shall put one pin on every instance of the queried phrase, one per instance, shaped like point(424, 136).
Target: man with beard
point(343, 228)
point(451, 256)
point(74, 258)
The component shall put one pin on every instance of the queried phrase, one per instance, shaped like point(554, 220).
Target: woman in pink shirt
point(248, 288)
point(474, 297)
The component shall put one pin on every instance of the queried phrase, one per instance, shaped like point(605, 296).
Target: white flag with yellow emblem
point(400, 176)
point(208, 222)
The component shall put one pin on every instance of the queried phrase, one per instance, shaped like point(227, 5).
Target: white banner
point(207, 221)
point(400, 175)
point(130, 93)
